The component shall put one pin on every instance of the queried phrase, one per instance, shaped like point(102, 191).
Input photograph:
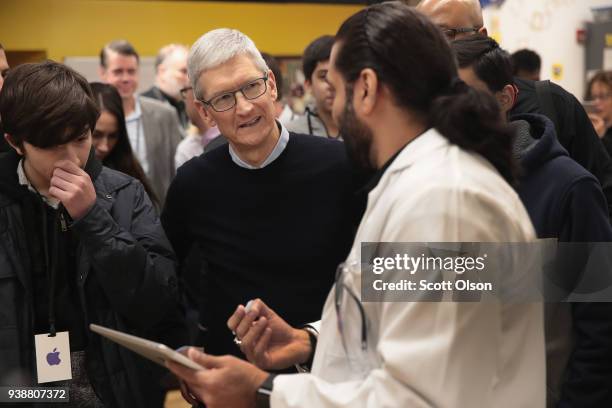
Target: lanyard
point(50, 265)
point(309, 122)
point(51, 262)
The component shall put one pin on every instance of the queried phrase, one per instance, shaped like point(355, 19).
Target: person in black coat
point(463, 18)
point(564, 201)
point(80, 243)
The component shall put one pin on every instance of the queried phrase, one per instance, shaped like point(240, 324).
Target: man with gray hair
point(170, 78)
point(273, 212)
point(456, 18)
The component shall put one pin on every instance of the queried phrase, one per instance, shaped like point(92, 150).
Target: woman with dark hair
point(110, 137)
point(599, 92)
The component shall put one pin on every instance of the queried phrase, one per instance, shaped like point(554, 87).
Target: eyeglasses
point(451, 33)
point(186, 91)
point(227, 100)
point(601, 97)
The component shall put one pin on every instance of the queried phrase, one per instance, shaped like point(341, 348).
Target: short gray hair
point(217, 47)
point(167, 50)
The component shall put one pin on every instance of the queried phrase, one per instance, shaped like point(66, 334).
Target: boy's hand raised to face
point(73, 187)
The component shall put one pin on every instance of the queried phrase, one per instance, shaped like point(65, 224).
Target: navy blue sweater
point(277, 233)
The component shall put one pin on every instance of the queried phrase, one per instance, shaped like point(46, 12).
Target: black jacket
point(565, 201)
point(574, 131)
point(125, 273)
point(156, 93)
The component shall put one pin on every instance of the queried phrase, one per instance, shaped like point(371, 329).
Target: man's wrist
point(262, 398)
point(303, 339)
point(306, 360)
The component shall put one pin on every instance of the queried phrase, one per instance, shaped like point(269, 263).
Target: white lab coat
point(425, 354)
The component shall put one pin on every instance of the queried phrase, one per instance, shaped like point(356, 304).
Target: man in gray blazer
point(153, 127)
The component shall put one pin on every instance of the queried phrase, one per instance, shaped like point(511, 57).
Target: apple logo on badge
point(53, 357)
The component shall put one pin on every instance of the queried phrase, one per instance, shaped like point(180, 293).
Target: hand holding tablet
point(156, 352)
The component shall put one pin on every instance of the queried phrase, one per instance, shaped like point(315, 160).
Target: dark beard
point(357, 136)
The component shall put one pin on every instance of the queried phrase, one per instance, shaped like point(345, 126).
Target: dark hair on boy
point(121, 47)
point(272, 63)
point(526, 60)
point(412, 57)
point(490, 63)
point(46, 104)
point(317, 51)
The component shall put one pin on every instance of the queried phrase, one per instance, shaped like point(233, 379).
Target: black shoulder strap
point(545, 100)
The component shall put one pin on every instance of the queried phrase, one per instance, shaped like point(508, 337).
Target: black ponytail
point(471, 119)
point(412, 57)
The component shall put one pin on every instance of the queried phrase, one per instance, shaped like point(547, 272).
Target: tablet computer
point(156, 352)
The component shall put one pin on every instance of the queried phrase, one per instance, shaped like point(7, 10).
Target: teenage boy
point(80, 244)
point(317, 119)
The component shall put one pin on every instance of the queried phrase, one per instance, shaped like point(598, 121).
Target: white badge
point(53, 357)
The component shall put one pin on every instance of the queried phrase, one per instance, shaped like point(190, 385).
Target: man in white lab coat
point(443, 161)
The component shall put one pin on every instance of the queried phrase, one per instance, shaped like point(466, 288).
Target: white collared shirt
point(278, 149)
point(135, 130)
